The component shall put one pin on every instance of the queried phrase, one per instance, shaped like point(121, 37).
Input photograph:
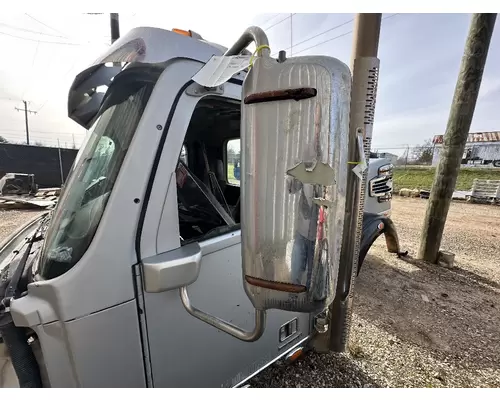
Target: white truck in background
point(103, 291)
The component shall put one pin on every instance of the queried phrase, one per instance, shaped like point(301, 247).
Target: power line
point(270, 19)
point(50, 41)
point(32, 65)
point(337, 37)
point(280, 21)
point(325, 41)
point(30, 31)
point(322, 33)
point(47, 26)
point(44, 103)
point(64, 77)
point(41, 41)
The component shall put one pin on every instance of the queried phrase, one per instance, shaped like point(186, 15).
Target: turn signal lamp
point(189, 33)
point(182, 32)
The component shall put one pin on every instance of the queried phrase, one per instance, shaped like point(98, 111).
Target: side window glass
point(200, 214)
point(233, 162)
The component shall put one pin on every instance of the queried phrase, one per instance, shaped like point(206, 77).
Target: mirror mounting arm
point(252, 34)
point(238, 333)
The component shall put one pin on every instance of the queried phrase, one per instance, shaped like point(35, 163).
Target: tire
point(496, 163)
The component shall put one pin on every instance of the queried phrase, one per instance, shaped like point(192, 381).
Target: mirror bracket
point(233, 330)
point(197, 90)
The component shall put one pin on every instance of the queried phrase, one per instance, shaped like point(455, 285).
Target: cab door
point(180, 350)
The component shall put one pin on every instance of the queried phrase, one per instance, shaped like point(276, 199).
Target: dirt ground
point(414, 324)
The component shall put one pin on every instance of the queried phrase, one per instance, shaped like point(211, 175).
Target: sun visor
point(87, 91)
point(89, 87)
point(144, 45)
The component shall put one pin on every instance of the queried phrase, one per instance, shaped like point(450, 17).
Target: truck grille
point(381, 186)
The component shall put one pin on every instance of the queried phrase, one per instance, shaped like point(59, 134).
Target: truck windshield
point(94, 173)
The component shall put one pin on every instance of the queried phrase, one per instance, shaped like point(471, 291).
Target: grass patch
point(422, 177)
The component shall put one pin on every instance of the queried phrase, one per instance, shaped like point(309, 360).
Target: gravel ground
point(12, 220)
point(414, 324)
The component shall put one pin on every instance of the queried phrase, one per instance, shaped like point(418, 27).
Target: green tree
point(230, 156)
point(423, 154)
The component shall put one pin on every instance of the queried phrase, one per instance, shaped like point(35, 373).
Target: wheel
point(496, 163)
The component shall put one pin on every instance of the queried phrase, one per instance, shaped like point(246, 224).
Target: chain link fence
point(475, 155)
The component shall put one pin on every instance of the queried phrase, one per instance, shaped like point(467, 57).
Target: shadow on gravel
point(452, 311)
point(314, 371)
point(455, 272)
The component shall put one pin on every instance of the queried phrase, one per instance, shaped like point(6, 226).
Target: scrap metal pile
point(20, 192)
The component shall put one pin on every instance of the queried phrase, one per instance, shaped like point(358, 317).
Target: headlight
point(385, 169)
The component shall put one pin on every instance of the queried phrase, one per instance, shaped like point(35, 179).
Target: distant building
point(389, 156)
point(482, 148)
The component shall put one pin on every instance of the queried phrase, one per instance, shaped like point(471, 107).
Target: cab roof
point(155, 45)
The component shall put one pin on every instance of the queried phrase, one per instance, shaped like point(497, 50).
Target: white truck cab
point(158, 268)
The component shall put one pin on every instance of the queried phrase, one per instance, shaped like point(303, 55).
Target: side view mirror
point(294, 134)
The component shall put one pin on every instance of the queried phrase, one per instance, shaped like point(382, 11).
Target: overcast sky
point(420, 57)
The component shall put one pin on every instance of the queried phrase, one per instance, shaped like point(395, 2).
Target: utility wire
point(43, 105)
point(32, 65)
point(48, 41)
point(64, 77)
point(325, 41)
point(280, 21)
point(270, 19)
point(30, 31)
point(336, 37)
point(319, 34)
point(47, 26)
point(41, 41)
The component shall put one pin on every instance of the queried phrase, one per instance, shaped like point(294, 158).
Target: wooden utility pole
point(457, 130)
point(26, 111)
